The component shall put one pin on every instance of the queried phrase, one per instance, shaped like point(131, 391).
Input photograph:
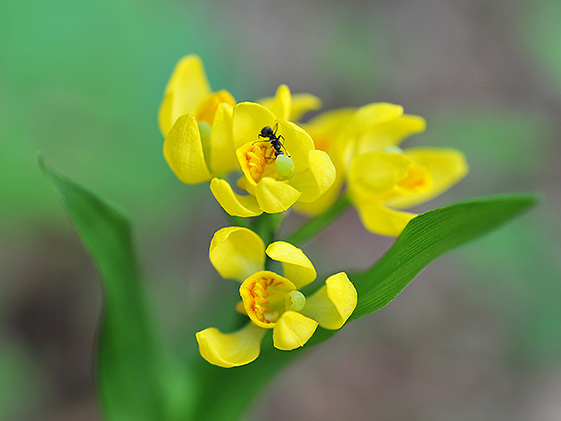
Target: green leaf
point(424, 239)
point(135, 374)
point(427, 237)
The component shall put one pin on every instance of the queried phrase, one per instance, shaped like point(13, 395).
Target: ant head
point(267, 131)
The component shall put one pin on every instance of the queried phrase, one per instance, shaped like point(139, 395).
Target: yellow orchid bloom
point(271, 301)
point(274, 180)
point(196, 124)
point(381, 177)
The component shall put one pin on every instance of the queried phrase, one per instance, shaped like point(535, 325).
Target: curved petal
point(230, 349)
point(249, 118)
point(275, 196)
point(379, 219)
point(222, 154)
point(297, 267)
point(183, 151)
point(317, 178)
point(293, 330)
point(233, 203)
point(297, 143)
point(446, 167)
point(301, 104)
point(237, 253)
point(373, 114)
point(390, 133)
point(376, 172)
point(206, 109)
point(187, 87)
point(324, 202)
point(282, 103)
point(362, 120)
point(333, 303)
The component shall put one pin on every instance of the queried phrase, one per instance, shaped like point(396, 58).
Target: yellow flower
point(196, 124)
point(382, 178)
point(271, 301)
point(305, 174)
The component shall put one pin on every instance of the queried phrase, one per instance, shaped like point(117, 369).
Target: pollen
point(256, 162)
point(264, 296)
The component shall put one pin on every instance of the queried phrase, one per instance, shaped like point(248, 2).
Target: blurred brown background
point(476, 336)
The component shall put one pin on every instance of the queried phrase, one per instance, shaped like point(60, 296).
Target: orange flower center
point(258, 160)
point(264, 297)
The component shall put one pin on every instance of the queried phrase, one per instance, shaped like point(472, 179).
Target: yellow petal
point(223, 156)
point(331, 121)
point(301, 104)
point(362, 120)
point(233, 203)
point(230, 349)
point(373, 114)
point(282, 103)
point(187, 87)
point(390, 133)
point(293, 330)
point(183, 151)
point(333, 303)
point(249, 119)
point(317, 178)
point(324, 202)
point(379, 219)
point(206, 109)
point(376, 172)
point(297, 143)
point(275, 196)
point(297, 267)
point(446, 167)
point(237, 253)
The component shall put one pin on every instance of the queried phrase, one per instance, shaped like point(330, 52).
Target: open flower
point(304, 175)
point(382, 178)
point(196, 124)
point(271, 301)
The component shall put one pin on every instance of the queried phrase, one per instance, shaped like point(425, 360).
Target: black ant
point(271, 136)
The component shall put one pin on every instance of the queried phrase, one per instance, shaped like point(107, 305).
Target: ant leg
point(276, 129)
point(284, 147)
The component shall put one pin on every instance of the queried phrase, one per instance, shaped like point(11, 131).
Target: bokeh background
point(476, 336)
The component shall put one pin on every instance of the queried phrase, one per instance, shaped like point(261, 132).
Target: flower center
point(259, 161)
point(266, 296)
point(418, 179)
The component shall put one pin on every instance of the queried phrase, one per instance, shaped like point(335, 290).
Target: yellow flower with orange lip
point(271, 301)
point(381, 177)
point(271, 190)
point(196, 124)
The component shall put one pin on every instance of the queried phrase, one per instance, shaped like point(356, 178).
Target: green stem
point(267, 226)
point(317, 224)
point(238, 221)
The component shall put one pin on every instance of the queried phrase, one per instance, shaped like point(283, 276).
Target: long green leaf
point(424, 239)
point(131, 360)
point(427, 237)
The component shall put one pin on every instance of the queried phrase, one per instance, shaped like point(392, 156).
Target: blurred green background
point(476, 336)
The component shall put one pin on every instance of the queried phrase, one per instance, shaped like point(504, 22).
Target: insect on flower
point(271, 136)
point(283, 163)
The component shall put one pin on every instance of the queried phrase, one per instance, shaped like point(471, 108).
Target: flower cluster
point(271, 301)
point(260, 158)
